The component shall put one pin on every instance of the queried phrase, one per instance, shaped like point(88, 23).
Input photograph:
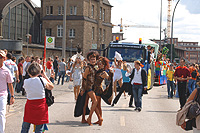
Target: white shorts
point(117, 75)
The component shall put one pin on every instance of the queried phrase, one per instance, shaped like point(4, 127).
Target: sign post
point(44, 59)
point(50, 42)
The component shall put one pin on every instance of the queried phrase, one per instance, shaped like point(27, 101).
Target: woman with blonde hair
point(76, 75)
point(126, 86)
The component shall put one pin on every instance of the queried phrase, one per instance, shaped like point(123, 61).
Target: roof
point(107, 2)
point(3, 3)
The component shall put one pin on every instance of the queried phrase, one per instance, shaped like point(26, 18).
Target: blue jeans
point(137, 94)
point(67, 78)
point(26, 127)
point(191, 85)
point(62, 73)
point(19, 85)
point(170, 84)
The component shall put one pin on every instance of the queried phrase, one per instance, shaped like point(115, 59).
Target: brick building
point(189, 50)
point(88, 22)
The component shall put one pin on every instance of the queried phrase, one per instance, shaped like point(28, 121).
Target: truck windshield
point(128, 54)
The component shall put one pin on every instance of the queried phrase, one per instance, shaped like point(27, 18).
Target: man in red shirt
point(182, 74)
point(49, 67)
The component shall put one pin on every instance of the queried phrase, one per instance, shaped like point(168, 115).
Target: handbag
point(48, 95)
point(194, 109)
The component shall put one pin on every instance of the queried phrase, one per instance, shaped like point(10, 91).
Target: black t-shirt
point(55, 64)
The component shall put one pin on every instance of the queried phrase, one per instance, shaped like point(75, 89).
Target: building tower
point(169, 18)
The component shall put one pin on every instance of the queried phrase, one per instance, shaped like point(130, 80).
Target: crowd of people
point(87, 75)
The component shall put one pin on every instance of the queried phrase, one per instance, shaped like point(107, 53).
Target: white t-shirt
point(34, 88)
point(24, 66)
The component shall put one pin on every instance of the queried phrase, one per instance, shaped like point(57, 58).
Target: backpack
point(194, 74)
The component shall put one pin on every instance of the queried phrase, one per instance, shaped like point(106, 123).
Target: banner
point(50, 42)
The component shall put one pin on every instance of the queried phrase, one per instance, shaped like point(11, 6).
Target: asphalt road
point(157, 116)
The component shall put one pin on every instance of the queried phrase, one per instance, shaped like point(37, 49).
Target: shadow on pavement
point(69, 123)
point(117, 109)
point(162, 112)
point(64, 102)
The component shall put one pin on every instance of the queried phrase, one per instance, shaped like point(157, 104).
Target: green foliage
point(174, 55)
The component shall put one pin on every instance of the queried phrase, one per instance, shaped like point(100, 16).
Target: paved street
point(158, 114)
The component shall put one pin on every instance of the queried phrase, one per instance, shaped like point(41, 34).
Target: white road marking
point(122, 121)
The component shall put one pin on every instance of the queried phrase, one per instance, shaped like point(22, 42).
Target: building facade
point(19, 18)
point(189, 50)
point(88, 23)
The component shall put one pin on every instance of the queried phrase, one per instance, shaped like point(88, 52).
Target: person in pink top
point(5, 78)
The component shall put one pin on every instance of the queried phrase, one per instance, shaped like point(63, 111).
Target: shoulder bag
point(48, 95)
point(194, 109)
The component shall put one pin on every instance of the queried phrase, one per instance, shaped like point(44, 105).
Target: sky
point(147, 12)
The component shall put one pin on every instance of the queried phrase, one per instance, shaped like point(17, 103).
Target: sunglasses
point(1, 57)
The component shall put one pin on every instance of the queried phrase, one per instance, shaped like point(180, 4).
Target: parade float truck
point(131, 52)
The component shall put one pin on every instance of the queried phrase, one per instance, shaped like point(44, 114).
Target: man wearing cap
point(170, 81)
point(138, 79)
point(5, 79)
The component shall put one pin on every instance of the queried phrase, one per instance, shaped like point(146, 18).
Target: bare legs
point(100, 111)
point(84, 109)
point(115, 85)
point(91, 95)
point(76, 91)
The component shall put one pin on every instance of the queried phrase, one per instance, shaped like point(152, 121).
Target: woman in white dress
point(76, 76)
point(117, 74)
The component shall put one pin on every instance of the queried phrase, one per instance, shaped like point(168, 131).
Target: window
point(48, 32)
point(92, 11)
point(51, 10)
point(92, 33)
point(63, 10)
point(100, 12)
point(75, 10)
point(104, 33)
point(59, 31)
point(59, 10)
point(71, 10)
point(100, 34)
point(72, 33)
point(103, 14)
point(47, 10)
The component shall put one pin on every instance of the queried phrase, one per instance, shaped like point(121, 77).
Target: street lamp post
point(160, 24)
point(27, 36)
point(71, 40)
point(172, 28)
point(64, 30)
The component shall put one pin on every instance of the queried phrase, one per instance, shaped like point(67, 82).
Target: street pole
point(172, 28)
point(71, 48)
point(160, 24)
point(64, 30)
